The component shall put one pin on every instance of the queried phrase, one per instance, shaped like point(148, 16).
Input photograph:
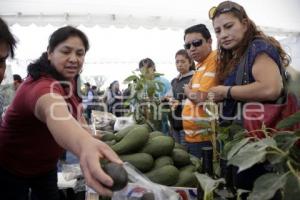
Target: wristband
point(228, 95)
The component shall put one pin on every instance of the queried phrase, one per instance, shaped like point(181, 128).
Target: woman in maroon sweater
point(46, 117)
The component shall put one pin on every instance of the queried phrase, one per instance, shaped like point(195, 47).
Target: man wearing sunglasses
point(198, 43)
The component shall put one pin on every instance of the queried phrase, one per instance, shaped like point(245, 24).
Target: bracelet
point(228, 95)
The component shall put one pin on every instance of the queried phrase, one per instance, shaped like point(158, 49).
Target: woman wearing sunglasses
point(238, 36)
point(242, 44)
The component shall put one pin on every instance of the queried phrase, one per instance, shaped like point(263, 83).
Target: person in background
point(114, 99)
point(128, 104)
point(46, 117)
point(8, 92)
point(17, 81)
point(185, 66)
point(7, 47)
point(238, 36)
point(87, 101)
point(147, 66)
point(198, 43)
point(94, 89)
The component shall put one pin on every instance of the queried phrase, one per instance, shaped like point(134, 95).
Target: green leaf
point(223, 133)
point(294, 156)
point(266, 186)
point(131, 78)
point(258, 145)
point(297, 133)
point(292, 188)
point(240, 192)
point(151, 91)
point(245, 155)
point(237, 147)
point(275, 158)
point(289, 121)
point(158, 74)
point(203, 124)
point(227, 147)
point(235, 128)
point(222, 137)
point(247, 159)
point(160, 85)
point(196, 162)
point(269, 142)
point(208, 184)
point(285, 140)
point(139, 86)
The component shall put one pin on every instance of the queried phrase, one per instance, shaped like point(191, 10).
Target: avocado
point(118, 175)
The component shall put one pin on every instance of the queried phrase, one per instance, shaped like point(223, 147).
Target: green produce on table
point(149, 128)
point(107, 136)
point(142, 161)
point(118, 175)
point(159, 146)
point(186, 179)
point(179, 146)
point(121, 133)
point(180, 157)
point(163, 161)
point(189, 168)
point(134, 140)
point(111, 143)
point(155, 134)
point(166, 175)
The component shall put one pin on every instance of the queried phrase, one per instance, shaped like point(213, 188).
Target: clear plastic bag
point(103, 120)
point(140, 187)
point(73, 172)
point(123, 122)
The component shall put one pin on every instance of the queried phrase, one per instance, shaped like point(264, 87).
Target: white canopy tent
point(123, 32)
point(276, 14)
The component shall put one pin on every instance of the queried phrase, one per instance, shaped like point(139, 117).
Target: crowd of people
point(47, 116)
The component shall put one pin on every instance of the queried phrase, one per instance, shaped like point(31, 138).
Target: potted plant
point(146, 104)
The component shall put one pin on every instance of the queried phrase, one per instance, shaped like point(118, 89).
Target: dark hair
point(7, 37)
point(112, 84)
point(63, 34)
point(146, 62)
point(199, 28)
point(184, 53)
point(226, 60)
point(42, 66)
point(17, 78)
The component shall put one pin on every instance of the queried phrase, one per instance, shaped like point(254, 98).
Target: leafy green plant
point(144, 90)
point(281, 152)
point(228, 137)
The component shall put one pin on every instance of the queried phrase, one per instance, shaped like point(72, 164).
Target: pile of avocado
point(156, 155)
